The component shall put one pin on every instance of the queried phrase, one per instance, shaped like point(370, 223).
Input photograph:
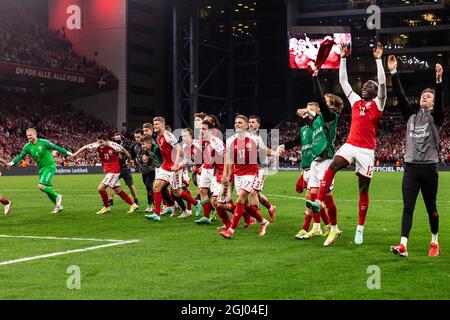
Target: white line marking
point(56, 238)
point(338, 199)
point(67, 252)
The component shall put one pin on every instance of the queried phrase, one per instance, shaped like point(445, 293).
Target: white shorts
point(112, 180)
point(316, 173)
point(185, 179)
point(161, 174)
point(177, 180)
point(244, 182)
point(364, 158)
point(258, 185)
point(224, 195)
point(305, 174)
point(206, 178)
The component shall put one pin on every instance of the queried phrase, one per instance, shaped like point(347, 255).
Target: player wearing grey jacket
point(421, 156)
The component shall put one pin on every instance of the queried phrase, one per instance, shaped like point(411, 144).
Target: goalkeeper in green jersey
point(41, 151)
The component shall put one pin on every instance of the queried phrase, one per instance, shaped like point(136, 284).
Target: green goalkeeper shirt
point(41, 152)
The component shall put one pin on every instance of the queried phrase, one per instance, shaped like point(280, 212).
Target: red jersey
point(363, 130)
point(244, 153)
point(109, 156)
point(166, 143)
point(192, 154)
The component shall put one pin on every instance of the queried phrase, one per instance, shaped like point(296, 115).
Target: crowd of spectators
point(54, 121)
point(390, 139)
point(24, 41)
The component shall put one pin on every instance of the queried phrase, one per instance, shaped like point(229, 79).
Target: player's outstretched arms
point(343, 78)
point(438, 113)
point(382, 91)
point(82, 149)
point(403, 102)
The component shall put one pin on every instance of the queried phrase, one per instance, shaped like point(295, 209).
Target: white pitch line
point(338, 199)
point(57, 238)
point(66, 252)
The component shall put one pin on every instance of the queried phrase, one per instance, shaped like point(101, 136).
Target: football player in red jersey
point(170, 171)
point(108, 152)
point(242, 159)
point(211, 176)
point(367, 110)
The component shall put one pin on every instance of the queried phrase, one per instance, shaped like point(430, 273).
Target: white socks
point(360, 228)
point(404, 241)
point(434, 238)
point(316, 225)
point(334, 228)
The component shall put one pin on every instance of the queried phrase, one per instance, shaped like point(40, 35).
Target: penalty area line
point(60, 253)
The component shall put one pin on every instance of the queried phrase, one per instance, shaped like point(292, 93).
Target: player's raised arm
point(382, 92)
point(84, 148)
point(343, 78)
point(52, 146)
point(328, 116)
point(403, 102)
point(438, 113)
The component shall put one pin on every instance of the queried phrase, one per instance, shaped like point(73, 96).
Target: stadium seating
point(24, 41)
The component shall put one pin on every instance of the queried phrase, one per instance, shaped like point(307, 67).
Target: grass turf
point(176, 259)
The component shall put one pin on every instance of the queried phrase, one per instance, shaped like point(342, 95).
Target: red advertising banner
point(35, 73)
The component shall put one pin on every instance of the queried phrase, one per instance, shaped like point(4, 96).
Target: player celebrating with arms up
point(361, 141)
point(108, 152)
point(421, 157)
point(41, 151)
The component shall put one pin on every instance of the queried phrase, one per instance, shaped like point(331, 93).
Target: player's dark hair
point(209, 124)
point(147, 125)
point(257, 118)
point(147, 139)
point(139, 131)
point(200, 115)
point(103, 137)
point(168, 128)
point(190, 131)
point(215, 121)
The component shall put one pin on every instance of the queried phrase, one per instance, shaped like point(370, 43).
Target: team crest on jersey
point(40, 147)
point(248, 145)
point(368, 105)
point(110, 152)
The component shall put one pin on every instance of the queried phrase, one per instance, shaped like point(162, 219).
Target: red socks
point(332, 211)
point(307, 222)
point(206, 208)
point(326, 183)
point(188, 197)
point(6, 201)
point(363, 207)
point(238, 212)
point(223, 215)
point(254, 212)
point(158, 200)
point(189, 205)
point(105, 200)
point(267, 204)
point(125, 197)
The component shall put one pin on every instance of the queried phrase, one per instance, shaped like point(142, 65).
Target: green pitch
point(176, 259)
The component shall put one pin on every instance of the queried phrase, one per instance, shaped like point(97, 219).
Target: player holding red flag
point(108, 152)
point(360, 144)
